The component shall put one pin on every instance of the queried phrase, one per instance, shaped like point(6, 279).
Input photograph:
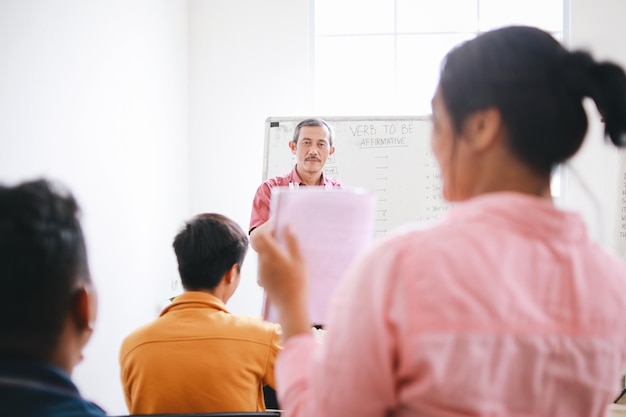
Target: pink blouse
point(505, 308)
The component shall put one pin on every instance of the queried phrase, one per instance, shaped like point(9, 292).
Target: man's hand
point(259, 230)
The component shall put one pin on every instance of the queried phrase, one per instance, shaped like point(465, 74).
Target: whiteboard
point(389, 156)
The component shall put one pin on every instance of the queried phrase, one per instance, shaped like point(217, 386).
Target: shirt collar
point(295, 178)
point(195, 299)
point(529, 214)
point(27, 369)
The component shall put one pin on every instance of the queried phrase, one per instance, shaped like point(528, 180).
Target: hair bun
point(603, 82)
point(575, 69)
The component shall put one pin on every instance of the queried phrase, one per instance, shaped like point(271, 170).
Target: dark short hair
point(206, 247)
point(43, 260)
point(314, 121)
point(538, 87)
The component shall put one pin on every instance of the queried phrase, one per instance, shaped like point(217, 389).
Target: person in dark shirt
point(48, 303)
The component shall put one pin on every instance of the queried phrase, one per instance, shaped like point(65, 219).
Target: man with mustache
point(312, 144)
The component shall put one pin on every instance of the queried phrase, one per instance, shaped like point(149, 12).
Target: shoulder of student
point(255, 328)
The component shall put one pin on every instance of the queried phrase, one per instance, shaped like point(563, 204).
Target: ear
point(332, 150)
point(84, 308)
point(292, 146)
point(231, 275)
point(483, 128)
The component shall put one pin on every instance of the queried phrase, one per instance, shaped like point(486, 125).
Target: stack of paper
point(332, 227)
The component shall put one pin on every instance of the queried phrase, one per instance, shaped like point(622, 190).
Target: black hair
point(206, 247)
point(314, 121)
point(538, 87)
point(43, 261)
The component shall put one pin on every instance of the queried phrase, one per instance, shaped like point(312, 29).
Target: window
point(382, 57)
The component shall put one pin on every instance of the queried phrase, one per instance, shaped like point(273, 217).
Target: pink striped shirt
point(505, 308)
point(261, 204)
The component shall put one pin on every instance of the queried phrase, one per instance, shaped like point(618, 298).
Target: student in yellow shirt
point(196, 356)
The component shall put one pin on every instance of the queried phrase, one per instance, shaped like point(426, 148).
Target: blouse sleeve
point(352, 373)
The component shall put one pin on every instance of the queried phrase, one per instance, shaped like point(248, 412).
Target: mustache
point(314, 158)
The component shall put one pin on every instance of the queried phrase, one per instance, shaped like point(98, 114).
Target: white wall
point(95, 94)
point(597, 26)
point(248, 60)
